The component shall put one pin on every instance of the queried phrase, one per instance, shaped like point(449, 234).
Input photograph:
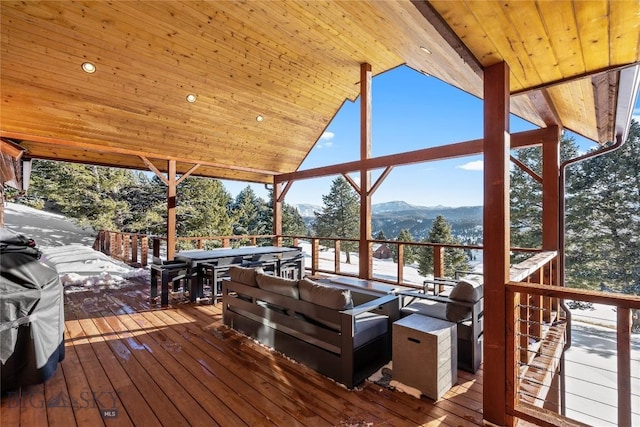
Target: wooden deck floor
point(129, 362)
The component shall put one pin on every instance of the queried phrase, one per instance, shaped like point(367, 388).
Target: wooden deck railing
point(131, 248)
point(540, 328)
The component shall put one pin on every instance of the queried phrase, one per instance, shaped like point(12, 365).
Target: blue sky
point(410, 111)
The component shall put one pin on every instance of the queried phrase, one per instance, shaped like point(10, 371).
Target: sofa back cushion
point(326, 296)
point(467, 291)
point(244, 275)
point(278, 285)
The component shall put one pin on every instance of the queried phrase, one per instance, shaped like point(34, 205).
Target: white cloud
point(476, 165)
point(326, 140)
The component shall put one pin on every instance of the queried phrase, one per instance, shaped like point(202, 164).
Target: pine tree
point(526, 196)
point(454, 258)
point(408, 252)
point(603, 221)
point(202, 208)
point(147, 199)
point(380, 236)
point(292, 222)
point(340, 216)
point(249, 214)
point(92, 195)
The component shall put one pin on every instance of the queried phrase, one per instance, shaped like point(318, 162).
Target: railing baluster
point(315, 255)
point(400, 262)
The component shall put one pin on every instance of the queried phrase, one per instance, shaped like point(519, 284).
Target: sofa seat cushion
point(278, 285)
point(369, 326)
point(426, 308)
point(326, 296)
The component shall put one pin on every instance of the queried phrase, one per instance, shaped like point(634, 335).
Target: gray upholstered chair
point(463, 304)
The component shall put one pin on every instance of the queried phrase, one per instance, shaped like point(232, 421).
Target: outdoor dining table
point(238, 256)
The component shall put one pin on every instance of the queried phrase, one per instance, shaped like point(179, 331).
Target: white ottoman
point(425, 355)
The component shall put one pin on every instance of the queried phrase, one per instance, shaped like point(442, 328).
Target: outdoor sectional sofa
point(343, 334)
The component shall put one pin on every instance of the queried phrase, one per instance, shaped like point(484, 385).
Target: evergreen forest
point(601, 212)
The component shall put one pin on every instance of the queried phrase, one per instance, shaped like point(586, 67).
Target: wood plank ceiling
point(293, 63)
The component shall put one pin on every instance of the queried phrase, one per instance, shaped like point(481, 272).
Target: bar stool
point(268, 263)
point(291, 265)
point(213, 272)
point(167, 271)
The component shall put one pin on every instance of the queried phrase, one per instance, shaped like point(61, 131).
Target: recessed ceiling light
point(191, 98)
point(259, 118)
point(88, 67)
point(424, 49)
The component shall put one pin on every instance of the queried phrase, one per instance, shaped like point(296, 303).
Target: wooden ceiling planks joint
point(295, 64)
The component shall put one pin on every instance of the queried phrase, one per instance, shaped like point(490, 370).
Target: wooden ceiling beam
point(545, 107)
point(11, 148)
point(448, 35)
point(604, 93)
point(126, 151)
point(572, 78)
point(460, 149)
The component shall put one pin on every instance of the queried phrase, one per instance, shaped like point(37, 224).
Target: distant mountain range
point(392, 217)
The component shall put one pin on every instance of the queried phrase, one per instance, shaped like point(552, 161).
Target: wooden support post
point(624, 366)
point(336, 256)
point(550, 195)
point(277, 213)
point(171, 210)
point(496, 228)
point(365, 270)
point(551, 202)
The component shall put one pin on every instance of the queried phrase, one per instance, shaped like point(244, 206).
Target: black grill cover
point(31, 314)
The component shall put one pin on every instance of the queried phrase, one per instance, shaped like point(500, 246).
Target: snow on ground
point(46, 228)
point(68, 248)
